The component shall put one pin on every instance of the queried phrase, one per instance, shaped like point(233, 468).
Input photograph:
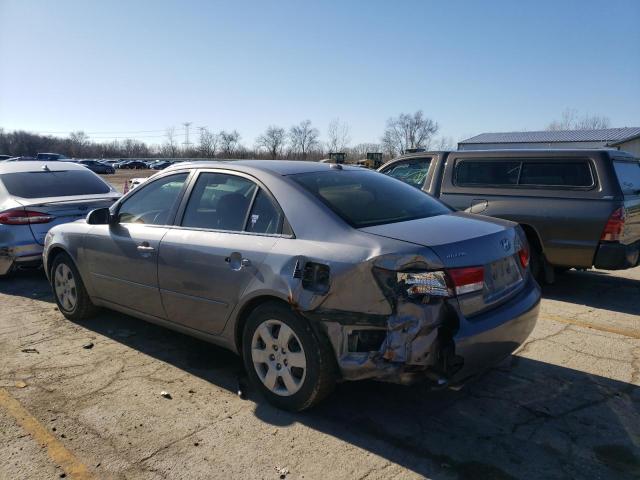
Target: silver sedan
point(35, 196)
point(313, 272)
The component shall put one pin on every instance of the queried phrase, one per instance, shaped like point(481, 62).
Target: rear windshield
point(53, 184)
point(364, 198)
point(629, 177)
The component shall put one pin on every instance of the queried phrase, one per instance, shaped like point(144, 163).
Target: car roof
point(278, 167)
point(38, 166)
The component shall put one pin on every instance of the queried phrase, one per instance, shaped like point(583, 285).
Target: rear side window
point(628, 174)
point(53, 183)
point(412, 172)
point(571, 174)
point(219, 202)
point(487, 173)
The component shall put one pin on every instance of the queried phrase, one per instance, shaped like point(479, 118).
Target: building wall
point(517, 146)
point(632, 146)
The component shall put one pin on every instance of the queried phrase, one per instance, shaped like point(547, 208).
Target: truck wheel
point(285, 359)
point(68, 290)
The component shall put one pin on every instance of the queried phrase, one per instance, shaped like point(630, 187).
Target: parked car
point(134, 164)
point(97, 167)
point(4, 157)
point(20, 159)
point(120, 163)
point(579, 208)
point(35, 196)
point(50, 156)
point(313, 272)
point(160, 165)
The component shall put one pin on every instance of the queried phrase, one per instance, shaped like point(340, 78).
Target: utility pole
point(186, 135)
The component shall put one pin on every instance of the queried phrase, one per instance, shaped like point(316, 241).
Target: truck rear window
point(365, 198)
point(62, 183)
point(628, 174)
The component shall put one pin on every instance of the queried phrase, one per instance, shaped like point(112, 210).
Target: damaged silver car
point(314, 273)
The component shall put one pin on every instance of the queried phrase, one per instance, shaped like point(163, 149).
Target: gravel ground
point(566, 405)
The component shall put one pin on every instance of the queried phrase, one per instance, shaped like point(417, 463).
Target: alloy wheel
point(278, 357)
point(65, 287)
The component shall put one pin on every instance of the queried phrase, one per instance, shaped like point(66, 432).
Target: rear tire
point(285, 359)
point(69, 291)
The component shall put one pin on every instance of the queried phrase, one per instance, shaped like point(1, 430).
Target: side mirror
point(99, 216)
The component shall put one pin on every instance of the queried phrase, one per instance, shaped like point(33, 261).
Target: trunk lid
point(466, 240)
point(63, 210)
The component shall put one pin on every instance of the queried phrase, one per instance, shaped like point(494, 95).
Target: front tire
point(285, 359)
point(69, 291)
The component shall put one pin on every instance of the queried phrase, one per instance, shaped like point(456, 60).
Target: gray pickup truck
point(579, 208)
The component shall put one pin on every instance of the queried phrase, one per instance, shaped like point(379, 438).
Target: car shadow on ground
point(596, 289)
point(523, 419)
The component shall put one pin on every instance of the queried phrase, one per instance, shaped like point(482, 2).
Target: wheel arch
point(533, 237)
point(246, 309)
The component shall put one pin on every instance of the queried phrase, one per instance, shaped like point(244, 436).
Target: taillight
point(23, 217)
point(614, 228)
point(523, 255)
point(467, 280)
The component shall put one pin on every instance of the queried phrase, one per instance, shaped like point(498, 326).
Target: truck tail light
point(23, 217)
point(466, 280)
point(614, 228)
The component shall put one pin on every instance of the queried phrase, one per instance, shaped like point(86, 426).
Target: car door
point(123, 257)
point(228, 225)
point(413, 171)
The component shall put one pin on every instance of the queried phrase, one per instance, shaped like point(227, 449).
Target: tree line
point(301, 141)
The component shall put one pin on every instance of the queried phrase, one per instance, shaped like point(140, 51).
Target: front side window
point(469, 172)
point(628, 174)
point(152, 203)
point(365, 198)
point(412, 172)
point(219, 201)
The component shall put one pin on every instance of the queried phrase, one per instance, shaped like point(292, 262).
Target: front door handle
point(145, 247)
point(478, 205)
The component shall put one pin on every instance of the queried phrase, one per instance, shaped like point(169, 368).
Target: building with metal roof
point(626, 138)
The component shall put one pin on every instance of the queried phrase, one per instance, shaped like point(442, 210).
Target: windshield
point(63, 183)
point(363, 198)
point(628, 174)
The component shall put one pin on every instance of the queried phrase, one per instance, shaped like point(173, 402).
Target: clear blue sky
point(123, 66)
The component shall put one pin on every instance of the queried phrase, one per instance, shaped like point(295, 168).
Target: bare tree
point(229, 142)
point(208, 143)
point(79, 140)
point(572, 121)
point(444, 143)
point(170, 147)
point(338, 136)
point(272, 140)
point(303, 138)
point(408, 131)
